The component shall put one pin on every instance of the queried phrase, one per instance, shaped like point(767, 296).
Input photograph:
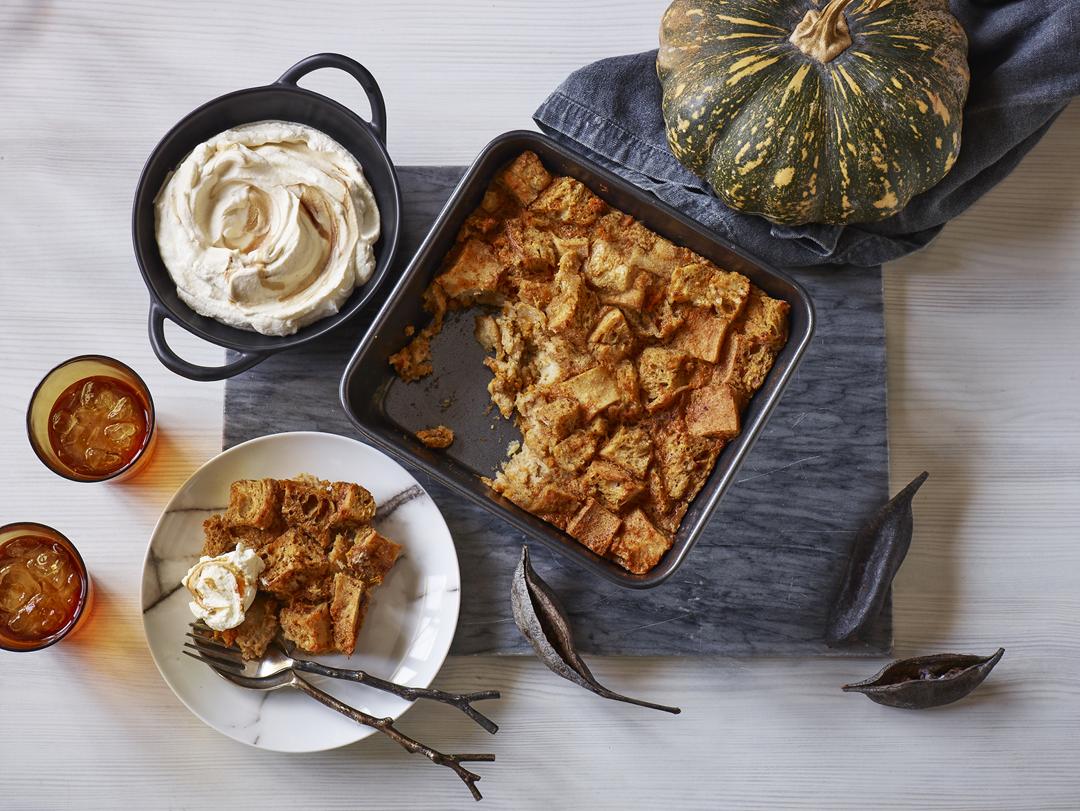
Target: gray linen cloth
point(1025, 67)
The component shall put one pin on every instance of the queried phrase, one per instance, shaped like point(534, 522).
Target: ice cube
point(77, 433)
point(24, 621)
point(98, 459)
point(63, 422)
point(122, 410)
point(121, 434)
point(17, 586)
point(49, 568)
point(106, 400)
point(86, 395)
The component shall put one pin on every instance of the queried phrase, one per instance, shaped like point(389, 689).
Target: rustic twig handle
point(386, 727)
point(462, 701)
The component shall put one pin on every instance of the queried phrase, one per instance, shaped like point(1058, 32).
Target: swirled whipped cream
point(267, 227)
point(223, 588)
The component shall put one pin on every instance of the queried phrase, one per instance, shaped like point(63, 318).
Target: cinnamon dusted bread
point(625, 360)
point(322, 560)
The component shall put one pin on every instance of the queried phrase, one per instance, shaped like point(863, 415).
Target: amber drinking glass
point(91, 419)
point(45, 590)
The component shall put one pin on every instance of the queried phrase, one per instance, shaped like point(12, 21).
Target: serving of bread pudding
point(625, 360)
point(321, 561)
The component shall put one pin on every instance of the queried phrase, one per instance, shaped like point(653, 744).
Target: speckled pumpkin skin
point(777, 133)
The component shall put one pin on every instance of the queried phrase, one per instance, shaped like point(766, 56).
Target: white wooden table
point(984, 384)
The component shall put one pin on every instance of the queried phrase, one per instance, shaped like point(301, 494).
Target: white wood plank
point(984, 392)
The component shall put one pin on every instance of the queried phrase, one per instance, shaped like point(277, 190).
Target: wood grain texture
point(763, 575)
point(983, 391)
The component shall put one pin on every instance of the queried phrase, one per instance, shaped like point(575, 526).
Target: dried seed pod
point(543, 621)
point(879, 550)
point(927, 681)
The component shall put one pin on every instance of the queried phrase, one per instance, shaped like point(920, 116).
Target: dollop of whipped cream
point(267, 227)
point(223, 588)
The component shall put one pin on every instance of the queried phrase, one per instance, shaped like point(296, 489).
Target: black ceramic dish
point(388, 411)
point(282, 101)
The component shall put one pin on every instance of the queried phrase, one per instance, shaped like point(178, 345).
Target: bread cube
point(255, 538)
point(630, 447)
point(371, 556)
point(568, 200)
point(664, 374)
point(556, 503)
point(702, 334)
point(438, 437)
point(474, 275)
point(649, 251)
point(254, 635)
point(577, 247)
point(640, 545)
point(712, 411)
point(765, 319)
point(306, 504)
point(705, 285)
point(660, 498)
point(574, 452)
point(606, 268)
point(348, 605)
point(613, 484)
point(628, 384)
point(217, 538)
point(528, 247)
point(337, 556)
point(594, 526)
point(314, 591)
point(353, 505)
point(253, 503)
point(572, 310)
point(682, 457)
point(661, 321)
point(632, 298)
point(307, 625)
point(525, 177)
point(611, 340)
point(745, 365)
point(292, 561)
point(594, 389)
point(553, 422)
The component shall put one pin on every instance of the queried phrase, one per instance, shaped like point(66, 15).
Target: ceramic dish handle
point(175, 363)
point(354, 69)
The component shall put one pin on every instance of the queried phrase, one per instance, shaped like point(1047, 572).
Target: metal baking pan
point(387, 411)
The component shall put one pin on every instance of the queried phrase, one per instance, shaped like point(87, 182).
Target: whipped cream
point(224, 587)
point(267, 227)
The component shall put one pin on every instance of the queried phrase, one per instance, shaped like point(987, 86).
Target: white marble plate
point(410, 622)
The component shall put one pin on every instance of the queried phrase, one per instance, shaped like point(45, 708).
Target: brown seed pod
point(542, 620)
point(926, 681)
point(879, 549)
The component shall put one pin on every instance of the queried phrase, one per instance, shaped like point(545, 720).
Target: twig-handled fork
point(289, 678)
point(277, 658)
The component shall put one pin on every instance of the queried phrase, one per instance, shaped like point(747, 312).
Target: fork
point(278, 659)
point(289, 678)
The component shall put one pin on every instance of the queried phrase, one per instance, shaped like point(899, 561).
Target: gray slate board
point(760, 581)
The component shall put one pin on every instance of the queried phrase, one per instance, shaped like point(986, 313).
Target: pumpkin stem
point(823, 34)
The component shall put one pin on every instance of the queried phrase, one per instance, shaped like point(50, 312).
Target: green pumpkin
point(800, 113)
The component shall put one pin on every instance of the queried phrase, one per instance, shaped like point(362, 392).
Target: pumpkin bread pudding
point(321, 560)
point(625, 360)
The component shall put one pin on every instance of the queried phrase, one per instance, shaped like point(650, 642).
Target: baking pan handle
point(354, 69)
point(174, 363)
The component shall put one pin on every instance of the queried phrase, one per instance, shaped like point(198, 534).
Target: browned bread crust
point(322, 560)
point(625, 359)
